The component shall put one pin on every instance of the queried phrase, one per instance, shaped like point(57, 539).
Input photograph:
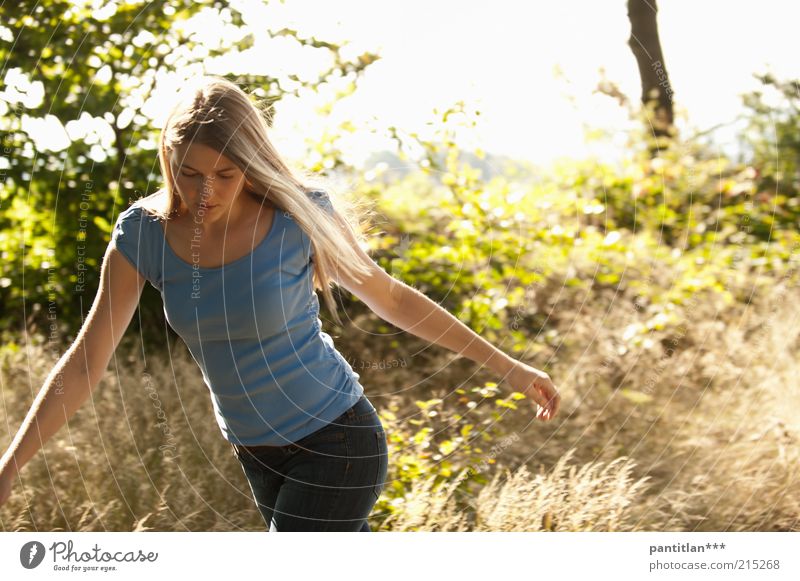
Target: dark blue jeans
point(326, 481)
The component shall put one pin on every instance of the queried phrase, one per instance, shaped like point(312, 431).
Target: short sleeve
point(323, 200)
point(133, 237)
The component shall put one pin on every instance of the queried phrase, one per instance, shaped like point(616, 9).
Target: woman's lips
point(204, 207)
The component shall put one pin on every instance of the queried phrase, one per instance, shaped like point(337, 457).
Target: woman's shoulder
point(136, 215)
point(130, 216)
point(153, 205)
point(321, 198)
point(135, 236)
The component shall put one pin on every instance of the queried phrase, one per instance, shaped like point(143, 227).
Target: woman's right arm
point(80, 369)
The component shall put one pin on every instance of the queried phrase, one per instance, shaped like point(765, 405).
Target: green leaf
point(635, 396)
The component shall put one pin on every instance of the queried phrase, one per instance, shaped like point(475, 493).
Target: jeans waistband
point(349, 412)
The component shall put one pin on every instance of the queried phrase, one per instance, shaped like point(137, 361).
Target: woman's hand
point(6, 482)
point(537, 386)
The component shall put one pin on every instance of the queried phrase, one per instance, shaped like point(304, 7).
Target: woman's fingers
point(536, 394)
point(538, 386)
point(5, 490)
point(551, 400)
point(554, 400)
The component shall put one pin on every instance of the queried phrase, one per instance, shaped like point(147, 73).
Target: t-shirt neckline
point(273, 226)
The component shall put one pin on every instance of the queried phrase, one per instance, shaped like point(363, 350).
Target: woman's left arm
point(419, 315)
point(407, 308)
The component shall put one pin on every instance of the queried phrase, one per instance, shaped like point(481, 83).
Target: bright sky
point(503, 62)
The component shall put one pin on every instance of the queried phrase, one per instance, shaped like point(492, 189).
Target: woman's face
point(208, 183)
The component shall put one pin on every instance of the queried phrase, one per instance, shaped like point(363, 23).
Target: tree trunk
point(646, 47)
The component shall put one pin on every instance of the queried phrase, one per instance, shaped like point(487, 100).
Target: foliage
point(774, 140)
point(451, 443)
point(658, 232)
point(106, 68)
point(636, 264)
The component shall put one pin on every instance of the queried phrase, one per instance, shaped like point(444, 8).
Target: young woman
point(236, 243)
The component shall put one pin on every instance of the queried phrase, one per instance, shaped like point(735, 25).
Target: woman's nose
point(205, 186)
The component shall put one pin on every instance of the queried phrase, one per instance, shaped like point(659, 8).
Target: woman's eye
point(192, 175)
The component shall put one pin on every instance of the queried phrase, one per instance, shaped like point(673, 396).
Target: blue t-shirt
point(252, 326)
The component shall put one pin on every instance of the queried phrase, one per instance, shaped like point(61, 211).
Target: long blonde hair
point(217, 113)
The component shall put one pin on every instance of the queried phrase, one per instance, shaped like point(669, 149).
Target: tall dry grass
point(700, 438)
point(712, 446)
point(143, 453)
point(592, 497)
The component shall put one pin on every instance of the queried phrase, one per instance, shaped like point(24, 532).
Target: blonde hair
point(217, 113)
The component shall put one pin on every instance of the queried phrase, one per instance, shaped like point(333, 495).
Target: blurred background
point(607, 191)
